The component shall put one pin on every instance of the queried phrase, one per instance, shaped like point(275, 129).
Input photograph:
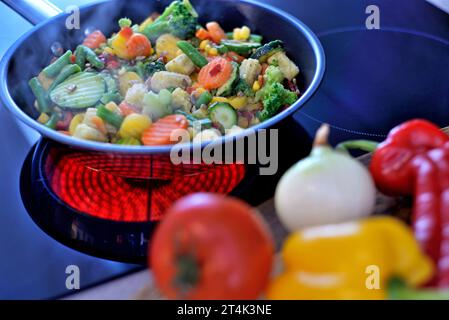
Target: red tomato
point(211, 247)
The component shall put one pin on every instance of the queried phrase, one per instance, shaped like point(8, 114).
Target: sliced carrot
point(215, 73)
point(99, 124)
point(203, 34)
point(126, 109)
point(160, 132)
point(216, 32)
point(139, 45)
point(264, 68)
point(260, 80)
point(94, 40)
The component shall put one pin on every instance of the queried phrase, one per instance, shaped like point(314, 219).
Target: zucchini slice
point(223, 114)
point(240, 47)
point(267, 50)
point(111, 83)
point(226, 89)
point(80, 91)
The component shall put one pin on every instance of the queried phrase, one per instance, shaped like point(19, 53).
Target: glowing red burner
point(131, 188)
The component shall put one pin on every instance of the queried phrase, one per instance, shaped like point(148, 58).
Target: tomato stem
point(188, 272)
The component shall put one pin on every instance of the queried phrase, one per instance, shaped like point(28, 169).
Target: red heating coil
point(132, 188)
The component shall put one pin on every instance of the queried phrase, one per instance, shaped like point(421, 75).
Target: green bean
point(53, 121)
point(66, 72)
point(204, 98)
point(43, 101)
point(203, 123)
point(80, 57)
point(91, 56)
point(109, 116)
point(255, 38)
point(55, 68)
point(192, 53)
point(221, 49)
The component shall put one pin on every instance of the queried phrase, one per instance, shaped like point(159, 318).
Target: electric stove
point(108, 205)
point(374, 80)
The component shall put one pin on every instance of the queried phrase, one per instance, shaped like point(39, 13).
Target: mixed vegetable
point(333, 251)
point(331, 261)
point(164, 74)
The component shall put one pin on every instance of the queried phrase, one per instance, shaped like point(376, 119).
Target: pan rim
point(10, 104)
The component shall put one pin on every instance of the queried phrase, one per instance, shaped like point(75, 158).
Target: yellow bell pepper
point(127, 44)
point(118, 43)
point(350, 261)
point(238, 102)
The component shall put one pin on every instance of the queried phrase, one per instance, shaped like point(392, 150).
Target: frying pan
point(32, 52)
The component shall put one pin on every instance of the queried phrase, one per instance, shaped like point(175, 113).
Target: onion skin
point(325, 188)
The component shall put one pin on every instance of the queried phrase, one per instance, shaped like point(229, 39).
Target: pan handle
point(34, 11)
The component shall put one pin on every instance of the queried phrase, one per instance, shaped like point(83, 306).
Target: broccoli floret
point(146, 69)
point(179, 19)
point(274, 96)
point(243, 87)
point(124, 22)
point(153, 67)
point(273, 74)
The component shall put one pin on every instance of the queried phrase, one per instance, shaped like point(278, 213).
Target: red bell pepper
point(414, 160)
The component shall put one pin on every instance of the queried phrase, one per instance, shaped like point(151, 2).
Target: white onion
point(326, 187)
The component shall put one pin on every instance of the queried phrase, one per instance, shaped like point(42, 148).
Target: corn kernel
point(236, 33)
point(256, 86)
point(213, 52)
point(111, 106)
point(43, 118)
point(76, 121)
point(245, 32)
point(200, 90)
point(109, 50)
point(220, 99)
point(203, 44)
point(238, 102)
point(179, 52)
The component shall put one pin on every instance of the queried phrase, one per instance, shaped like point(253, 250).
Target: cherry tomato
point(211, 247)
